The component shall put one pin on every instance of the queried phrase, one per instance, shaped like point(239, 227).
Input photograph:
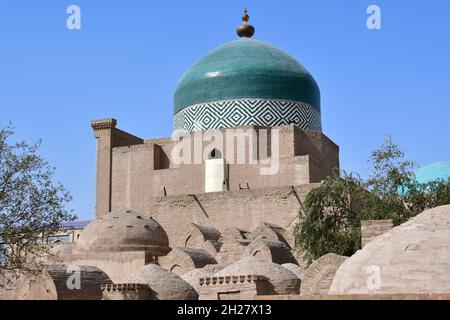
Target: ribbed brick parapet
point(126, 291)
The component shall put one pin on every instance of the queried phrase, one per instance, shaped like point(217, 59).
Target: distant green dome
point(248, 73)
point(433, 172)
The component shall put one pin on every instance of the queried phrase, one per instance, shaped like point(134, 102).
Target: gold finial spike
point(245, 30)
point(245, 16)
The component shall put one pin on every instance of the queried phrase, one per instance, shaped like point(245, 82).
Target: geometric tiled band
point(247, 111)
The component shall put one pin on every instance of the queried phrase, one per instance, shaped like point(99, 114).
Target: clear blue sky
point(129, 55)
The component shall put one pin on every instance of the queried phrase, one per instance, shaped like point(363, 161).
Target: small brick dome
point(166, 285)
point(193, 276)
point(282, 280)
point(411, 258)
point(124, 230)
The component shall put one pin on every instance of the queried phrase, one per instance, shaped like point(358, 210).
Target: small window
point(215, 154)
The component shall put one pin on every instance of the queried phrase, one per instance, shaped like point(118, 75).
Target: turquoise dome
point(246, 68)
point(433, 172)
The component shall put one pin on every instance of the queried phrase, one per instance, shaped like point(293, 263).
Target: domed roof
point(165, 284)
point(246, 82)
point(282, 280)
point(270, 250)
point(319, 275)
point(51, 283)
point(193, 276)
point(411, 258)
point(295, 269)
point(246, 68)
point(433, 172)
point(124, 230)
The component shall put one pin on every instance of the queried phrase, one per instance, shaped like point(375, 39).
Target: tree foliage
point(331, 217)
point(32, 206)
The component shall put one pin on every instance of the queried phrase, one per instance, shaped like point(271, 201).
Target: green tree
point(331, 216)
point(32, 206)
point(391, 181)
point(398, 195)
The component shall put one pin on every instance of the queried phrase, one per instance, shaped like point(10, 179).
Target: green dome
point(246, 68)
point(433, 172)
point(438, 171)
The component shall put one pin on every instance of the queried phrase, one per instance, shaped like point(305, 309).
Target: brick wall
point(141, 170)
point(371, 229)
point(221, 210)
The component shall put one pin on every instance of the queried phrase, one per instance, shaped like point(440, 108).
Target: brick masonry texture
point(222, 210)
point(370, 229)
point(131, 172)
point(138, 174)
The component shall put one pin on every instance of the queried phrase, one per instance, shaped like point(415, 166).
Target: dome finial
point(245, 16)
point(245, 30)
